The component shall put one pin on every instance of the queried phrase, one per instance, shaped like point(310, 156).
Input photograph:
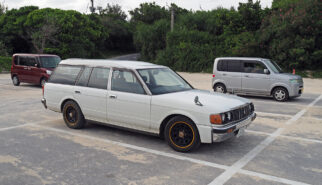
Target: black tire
point(15, 80)
point(219, 87)
point(73, 115)
point(280, 94)
point(42, 82)
point(181, 134)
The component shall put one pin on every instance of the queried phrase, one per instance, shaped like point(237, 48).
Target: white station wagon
point(146, 97)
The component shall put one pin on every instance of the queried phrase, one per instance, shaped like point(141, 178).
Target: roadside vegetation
point(289, 32)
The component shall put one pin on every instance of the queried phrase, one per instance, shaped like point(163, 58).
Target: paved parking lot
point(282, 146)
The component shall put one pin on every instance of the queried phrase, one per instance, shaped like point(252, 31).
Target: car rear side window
point(99, 78)
point(83, 79)
point(222, 65)
point(15, 60)
point(65, 74)
point(23, 61)
point(234, 66)
point(254, 67)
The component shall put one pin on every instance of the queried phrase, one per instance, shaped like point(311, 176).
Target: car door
point(34, 72)
point(232, 75)
point(128, 103)
point(22, 68)
point(90, 92)
point(254, 80)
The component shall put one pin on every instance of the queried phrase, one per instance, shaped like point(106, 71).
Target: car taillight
point(213, 75)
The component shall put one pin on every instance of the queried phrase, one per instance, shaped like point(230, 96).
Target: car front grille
point(242, 112)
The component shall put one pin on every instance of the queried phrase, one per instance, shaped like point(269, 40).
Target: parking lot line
point(25, 125)
point(174, 156)
point(273, 114)
point(288, 137)
point(229, 173)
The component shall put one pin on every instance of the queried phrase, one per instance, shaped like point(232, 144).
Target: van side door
point(90, 92)
point(22, 68)
point(230, 72)
point(254, 80)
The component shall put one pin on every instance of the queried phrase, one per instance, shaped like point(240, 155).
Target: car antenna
point(197, 102)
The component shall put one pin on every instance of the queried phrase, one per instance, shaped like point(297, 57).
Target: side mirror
point(36, 65)
point(266, 71)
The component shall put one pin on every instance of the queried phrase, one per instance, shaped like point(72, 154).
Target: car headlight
point(226, 117)
point(48, 72)
point(294, 80)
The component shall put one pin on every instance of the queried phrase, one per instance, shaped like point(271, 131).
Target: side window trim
point(90, 75)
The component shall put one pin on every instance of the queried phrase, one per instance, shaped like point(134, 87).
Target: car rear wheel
point(280, 94)
point(73, 115)
point(181, 134)
point(220, 88)
point(15, 81)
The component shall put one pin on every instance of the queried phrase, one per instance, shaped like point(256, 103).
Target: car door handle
point(77, 92)
point(246, 76)
point(224, 74)
point(113, 96)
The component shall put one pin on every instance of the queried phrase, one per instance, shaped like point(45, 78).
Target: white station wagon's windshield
point(163, 80)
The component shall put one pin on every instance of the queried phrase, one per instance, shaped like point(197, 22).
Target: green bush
point(5, 63)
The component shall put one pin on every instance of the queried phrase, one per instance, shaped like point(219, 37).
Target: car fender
point(280, 84)
point(218, 81)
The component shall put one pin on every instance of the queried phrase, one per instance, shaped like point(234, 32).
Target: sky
point(82, 5)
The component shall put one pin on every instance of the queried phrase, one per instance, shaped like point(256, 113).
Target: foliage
point(5, 63)
point(3, 49)
point(148, 13)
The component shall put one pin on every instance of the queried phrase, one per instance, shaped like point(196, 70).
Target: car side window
point(65, 74)
point(23, 61)
point(15, 60)
point(126, 81)
point(222, 65)
point(99, 78)
point(234, 66)
point(83, 79)
point(254, 67)
point(31, 61)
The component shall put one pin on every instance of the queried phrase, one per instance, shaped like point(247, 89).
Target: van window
point(83, 80)
point(99, 78)
point(234, 66)
point(126, 81)
point(65, 74)
point(31, 61)
point(23, 61)
point(254, 67)
point(15, 60)
point(222, 65)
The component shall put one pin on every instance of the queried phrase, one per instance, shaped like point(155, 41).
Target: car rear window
point(65, 74)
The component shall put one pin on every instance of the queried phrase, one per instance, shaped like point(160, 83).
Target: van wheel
point(42, 82)
point(280, 94)
point(15, 81)
point(221, 88)
point(181, 134)
point(73, 115)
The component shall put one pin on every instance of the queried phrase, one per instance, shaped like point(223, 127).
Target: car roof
point(33, 55)
point(241, 58)
point(111, 63)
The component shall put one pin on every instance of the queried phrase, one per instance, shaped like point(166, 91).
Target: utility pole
point(172, 18)
point(92, 9)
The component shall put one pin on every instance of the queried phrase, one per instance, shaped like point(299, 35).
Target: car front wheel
point(73, 115)
point(280, 94)
point(182, 134)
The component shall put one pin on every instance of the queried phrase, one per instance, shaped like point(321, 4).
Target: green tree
point(148, 13)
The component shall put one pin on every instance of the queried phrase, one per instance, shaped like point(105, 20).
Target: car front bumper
point(43, 101)
point(225, 132)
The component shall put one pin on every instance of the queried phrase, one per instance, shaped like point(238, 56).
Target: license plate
point(240, 132)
